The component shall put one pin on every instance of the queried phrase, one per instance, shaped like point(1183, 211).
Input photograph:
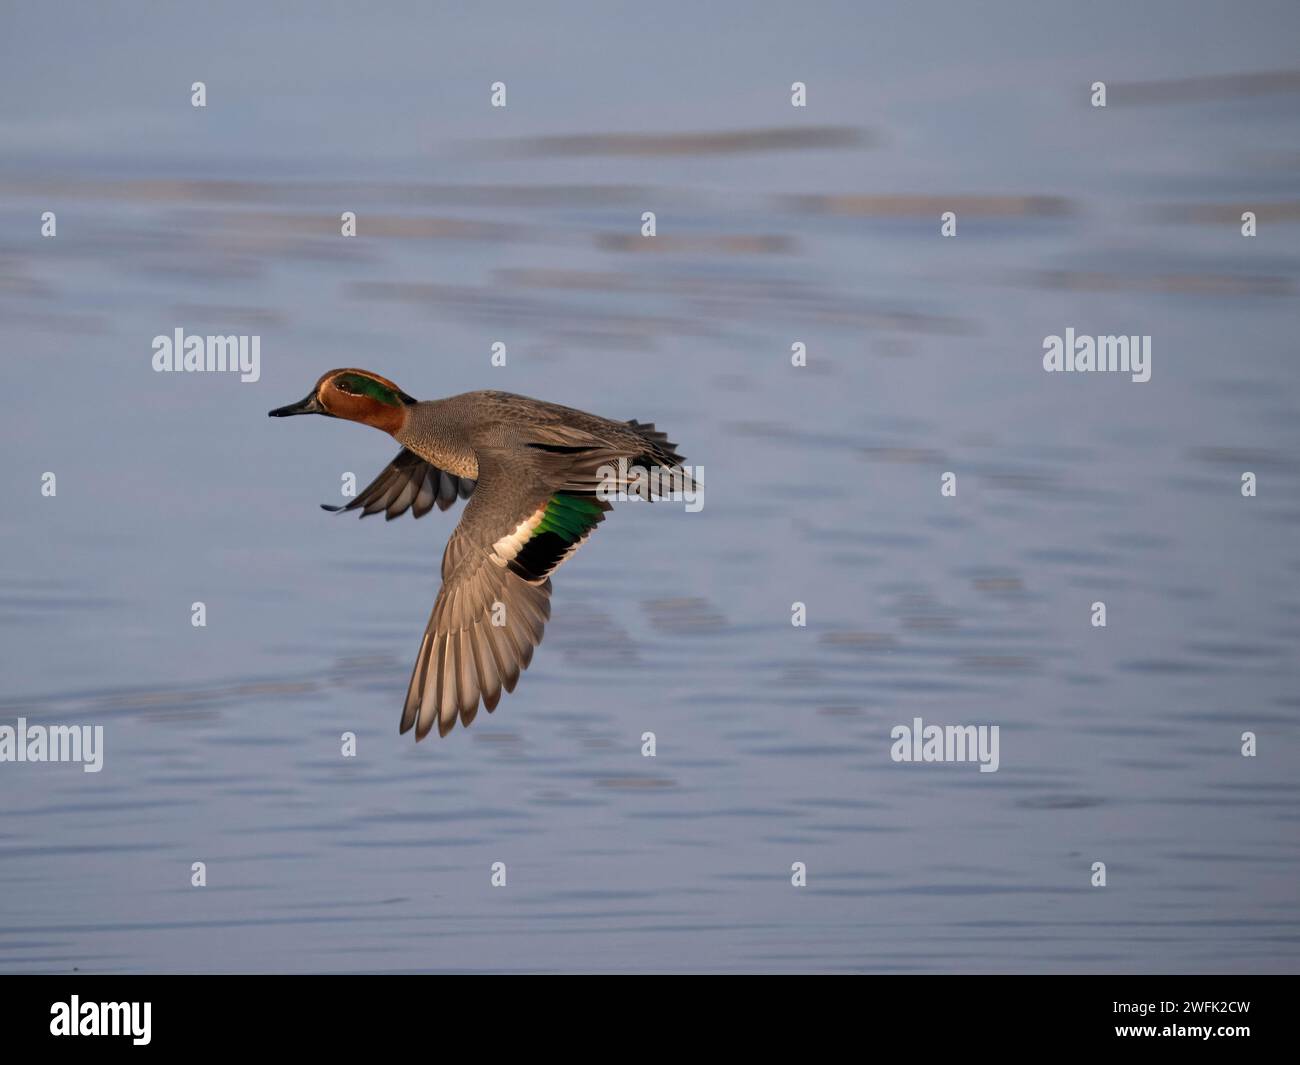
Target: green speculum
point(568, 516)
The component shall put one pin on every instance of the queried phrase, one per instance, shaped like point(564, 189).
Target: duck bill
point(310, 405)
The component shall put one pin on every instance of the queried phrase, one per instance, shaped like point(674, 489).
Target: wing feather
point(408, 483)
point(465, 658)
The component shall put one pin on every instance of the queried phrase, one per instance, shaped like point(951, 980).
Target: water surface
point(775, 225)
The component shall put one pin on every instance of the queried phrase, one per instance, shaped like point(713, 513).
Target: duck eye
point(346, 384)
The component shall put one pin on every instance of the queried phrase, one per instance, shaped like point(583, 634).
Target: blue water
point(222, 744)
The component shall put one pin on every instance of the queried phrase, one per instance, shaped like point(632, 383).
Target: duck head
point(358, 396)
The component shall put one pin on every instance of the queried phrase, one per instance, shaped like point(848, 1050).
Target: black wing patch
point(408, 482)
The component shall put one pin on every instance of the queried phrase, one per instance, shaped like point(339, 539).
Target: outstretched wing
point(496, 590)
point(408, 482)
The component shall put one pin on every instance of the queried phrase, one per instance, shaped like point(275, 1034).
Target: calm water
point(522, 225)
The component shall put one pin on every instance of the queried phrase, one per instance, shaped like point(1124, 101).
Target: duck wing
point(408, 483)
point(494, 603)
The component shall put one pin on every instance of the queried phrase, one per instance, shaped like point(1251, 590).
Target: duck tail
point(661, 451)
